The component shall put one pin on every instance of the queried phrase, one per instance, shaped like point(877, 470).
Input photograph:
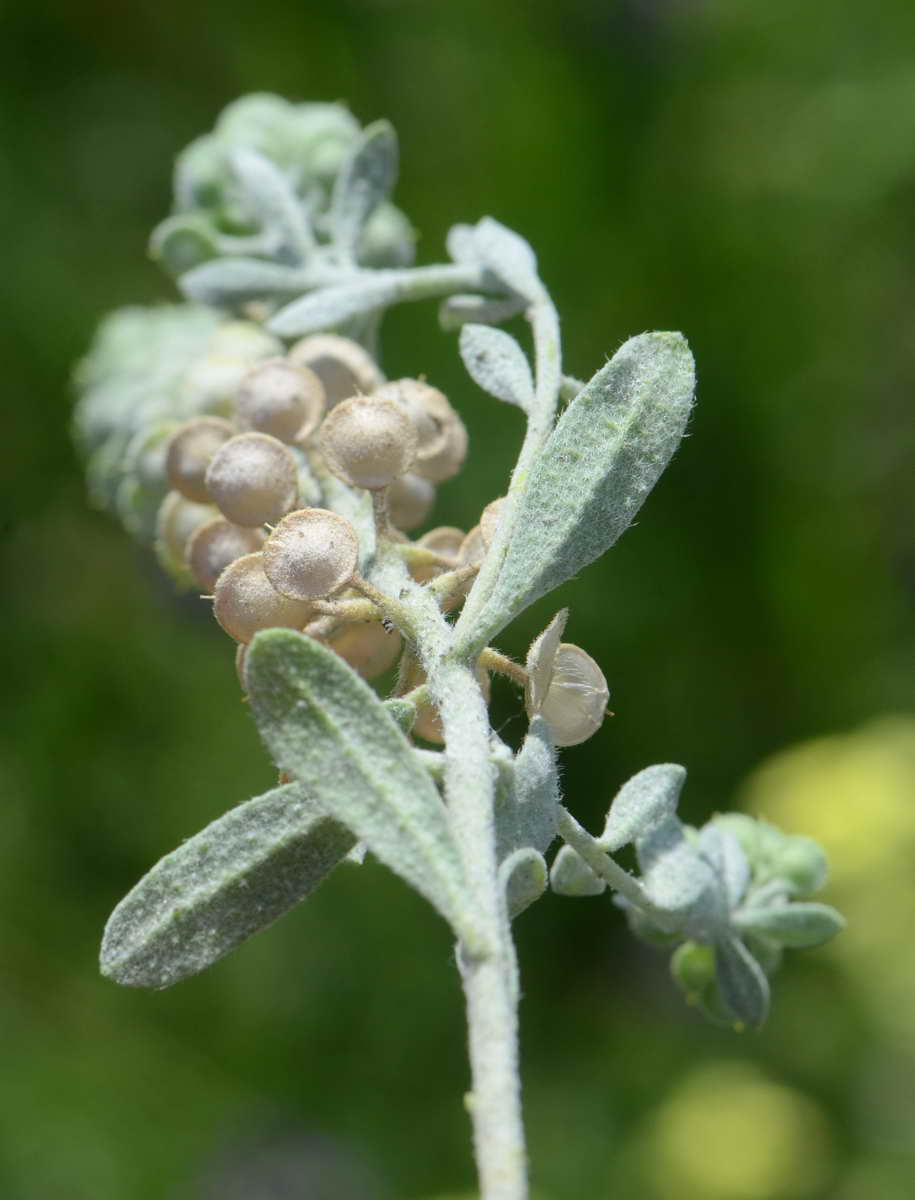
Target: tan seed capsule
point(281, 399)
point(176, 522)
point(214, 545)
point(473, 548)
point(576, 700)
point(444, 540)
point(245, 601)
point(427, 408)
point(253, 479)
point(311, 553)
point(368, 442)
point(428, 723)
point(189, 453)
point(449, 460)
point(241, 655)
point(367, 646)
point(410, 500)
point(489, 520)
point(342, 365)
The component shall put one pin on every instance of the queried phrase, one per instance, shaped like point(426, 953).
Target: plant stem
point(470, 637)
point(490, 979)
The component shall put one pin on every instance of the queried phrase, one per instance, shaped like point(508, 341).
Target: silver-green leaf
point(524, 877)
point(496, 362)
point(797, 925)
point(273, 203)
point(643, 802)
point(329, 730)
point(218, 888)
point(570, 875)
point(227, 282)
point(365, 181)
point(605, 455)
point(742, 984)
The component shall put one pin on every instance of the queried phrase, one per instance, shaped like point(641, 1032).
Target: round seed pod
point(311, 553)
point(428, 723)
point(576, 699)
point(444, 540)
point(241, 654)
point(427, 408)
point(210, 384)
point(489, 520)
point(473, 548)
point(410, 500)
point(189, 453)
point(449, 460)
point(342, 365)
point(253, 479)
point(282, 400)
point(367, 646)
point(216, 544)
point(177, 520)
point(245, 601)
point(368, 442)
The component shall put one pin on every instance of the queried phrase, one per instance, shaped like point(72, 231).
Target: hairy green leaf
point(570, 875)
point(496, 362)
point(227, 282)
point(643, 802)
point(742, 984)
point(797, 925)
point(524, 877)
point(273, 202)
point(232, 879)
point(365, 180)
point(605, 455)
point(329, 730)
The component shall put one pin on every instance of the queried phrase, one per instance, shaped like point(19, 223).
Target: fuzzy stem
point(608, 869)
point(468, 637)
point(490, 980)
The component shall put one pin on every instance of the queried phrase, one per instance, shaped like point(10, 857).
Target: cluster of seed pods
point(235, 516)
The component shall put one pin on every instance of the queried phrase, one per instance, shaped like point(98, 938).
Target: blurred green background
point(743, 172)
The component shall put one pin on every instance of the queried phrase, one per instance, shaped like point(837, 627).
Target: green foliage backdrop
point(745, 173)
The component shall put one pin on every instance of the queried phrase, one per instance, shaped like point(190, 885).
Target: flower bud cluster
point(307, 143)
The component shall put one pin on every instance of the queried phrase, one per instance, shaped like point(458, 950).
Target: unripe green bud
point(410, 500)
point(281, 399)
point(311, 553)
point(211, 383)
point(189, 453)
point(368, 442)
point(146, 452)
point(245, 601)
point(801, 863)
point(367, 646)
point(576, 698)
point(182, 242)
point(427, 408)
point(245, 340)
point(253, 479)
point(692, 966)
point(342, 365)
point(216, 544)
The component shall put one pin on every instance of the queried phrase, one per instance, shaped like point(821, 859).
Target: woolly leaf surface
point(231, 880)
point(327, 728)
